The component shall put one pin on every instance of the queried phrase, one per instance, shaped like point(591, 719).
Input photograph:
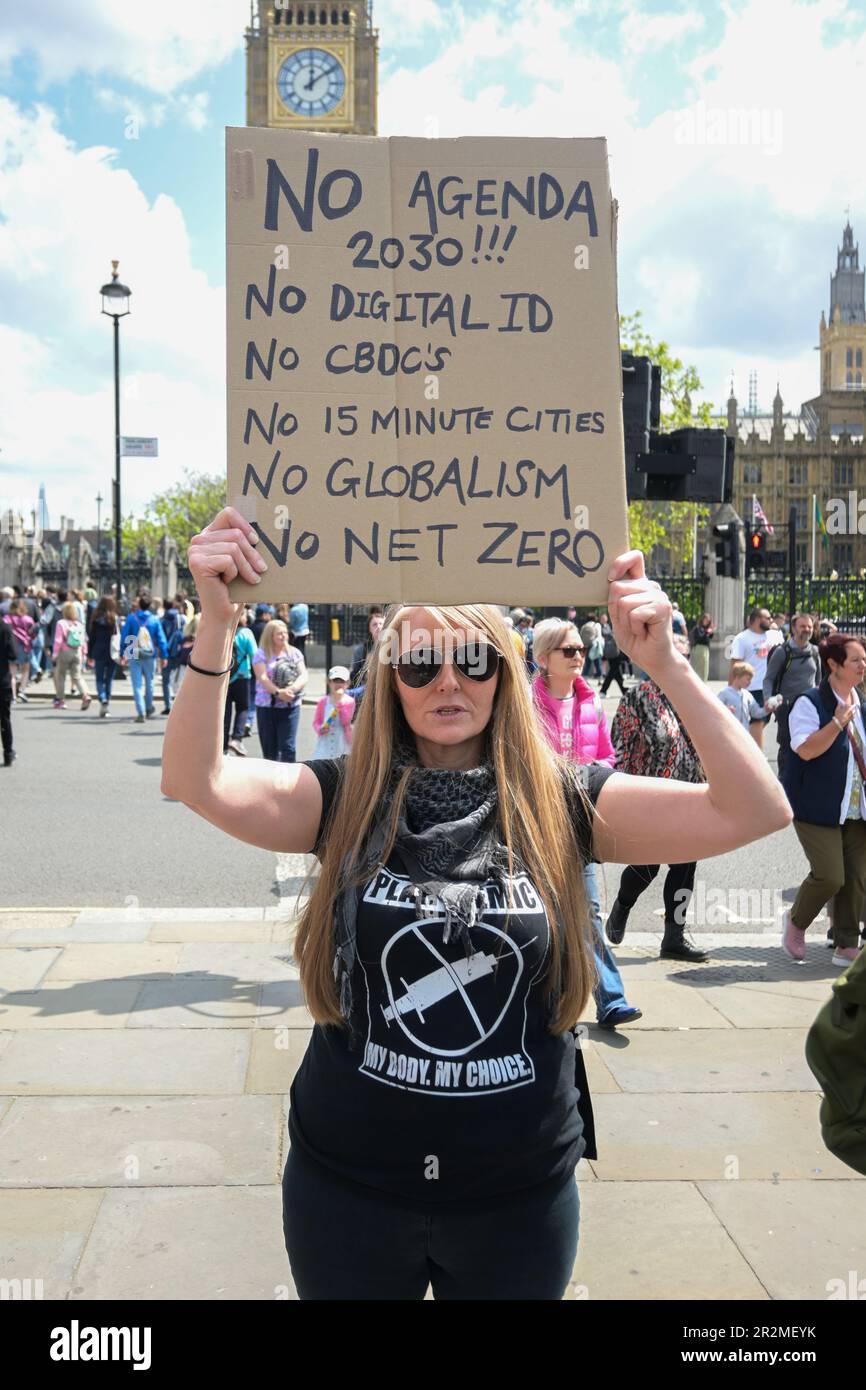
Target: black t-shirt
point(454, 1090)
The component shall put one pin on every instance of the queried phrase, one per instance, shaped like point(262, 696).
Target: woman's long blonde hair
point(266, 641)
point(534, 818)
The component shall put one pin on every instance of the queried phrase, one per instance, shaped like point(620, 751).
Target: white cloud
point(158, 45)
point(67, 213)
point(730, 200)
point(190, 108)
point(641, 31)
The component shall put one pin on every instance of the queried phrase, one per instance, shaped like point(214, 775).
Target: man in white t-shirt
point(754, 645)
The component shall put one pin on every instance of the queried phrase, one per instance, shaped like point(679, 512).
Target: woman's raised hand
point(223, 551)
point(640, 614)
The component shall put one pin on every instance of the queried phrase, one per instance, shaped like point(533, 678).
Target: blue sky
point(735, 139)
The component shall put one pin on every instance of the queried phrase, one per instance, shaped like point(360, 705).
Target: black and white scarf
point(447, 839)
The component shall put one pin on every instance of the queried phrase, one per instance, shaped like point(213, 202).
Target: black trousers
point(6, 721)
point(678, 888)
point(345, 1241)
point(614, 673)
point(237, 699)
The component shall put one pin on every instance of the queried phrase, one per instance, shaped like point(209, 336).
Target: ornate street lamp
point(115, 303)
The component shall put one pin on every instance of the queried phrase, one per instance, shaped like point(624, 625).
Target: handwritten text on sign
point(423, 367)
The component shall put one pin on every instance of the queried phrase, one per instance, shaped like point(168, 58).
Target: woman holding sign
point(445, 952)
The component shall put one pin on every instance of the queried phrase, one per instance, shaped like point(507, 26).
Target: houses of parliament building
point(784, 458)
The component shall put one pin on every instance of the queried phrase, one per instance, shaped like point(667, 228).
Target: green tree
point(666, 523)
point(181, 512)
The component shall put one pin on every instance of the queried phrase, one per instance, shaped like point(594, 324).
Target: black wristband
point(203, 672)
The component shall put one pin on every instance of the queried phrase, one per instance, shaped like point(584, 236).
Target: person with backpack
point(573, 722)
point(173, 619)
point(612, 655)
point(238, 689)
point(70, 649)
point(104, 649)
point(793, 667)
point(48, 619)
point(142, 643)
point(281, 676)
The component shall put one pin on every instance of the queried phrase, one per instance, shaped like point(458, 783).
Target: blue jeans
point(166, 689)
point(609, 993)
point(103, 670)
point(345, 1241)
point(278, 731)
point(36, 651)
point(141, 670)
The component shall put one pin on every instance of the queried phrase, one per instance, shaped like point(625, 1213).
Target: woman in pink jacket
point(572, 718)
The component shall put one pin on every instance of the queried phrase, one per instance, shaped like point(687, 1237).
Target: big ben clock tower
point(312, 66)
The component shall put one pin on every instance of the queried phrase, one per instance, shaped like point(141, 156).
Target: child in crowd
point(332, 720)
point(739, 699)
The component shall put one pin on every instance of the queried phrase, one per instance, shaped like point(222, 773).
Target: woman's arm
point(808, 740)
point(277, 806)
point(648, 821)
point(299, 683)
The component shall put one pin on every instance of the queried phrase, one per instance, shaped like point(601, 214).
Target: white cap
point(338, 673)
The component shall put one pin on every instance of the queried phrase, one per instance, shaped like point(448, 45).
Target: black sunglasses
point(478, 661)
point(569, 652)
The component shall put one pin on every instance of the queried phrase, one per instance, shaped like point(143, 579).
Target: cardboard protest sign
point(424, 381)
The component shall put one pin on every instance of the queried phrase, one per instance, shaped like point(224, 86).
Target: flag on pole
point(759, 516)
point(819, 521)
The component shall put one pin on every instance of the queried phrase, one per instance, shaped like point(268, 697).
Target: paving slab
point(129, 1141)
point(70, 1004)
point(798, 1237)
point(275, 1055)
point(42, 1236)
point(88, 931)
point(282, 1005)
point(766, 1006)
point(247, 961)
point(600, 1077)
point(712, 1060)
point(211, 931)
point(215, 1244)
point(122, 1062)
point(666, 1006)
point(202, 1002)
point(23, 968)
point(656, 1240)
point(110, 961)
point(754, 1135)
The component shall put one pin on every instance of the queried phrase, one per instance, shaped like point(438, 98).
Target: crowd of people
point(484, 786)
point(775, 669)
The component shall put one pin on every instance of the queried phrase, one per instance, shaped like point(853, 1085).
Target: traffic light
point(726, 535)
point(756, 550)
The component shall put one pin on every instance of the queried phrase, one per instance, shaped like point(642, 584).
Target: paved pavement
point(147, 1047)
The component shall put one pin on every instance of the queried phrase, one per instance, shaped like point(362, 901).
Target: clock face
point(311, 82)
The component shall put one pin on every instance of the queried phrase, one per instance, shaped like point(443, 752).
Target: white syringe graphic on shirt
point(450, 978)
